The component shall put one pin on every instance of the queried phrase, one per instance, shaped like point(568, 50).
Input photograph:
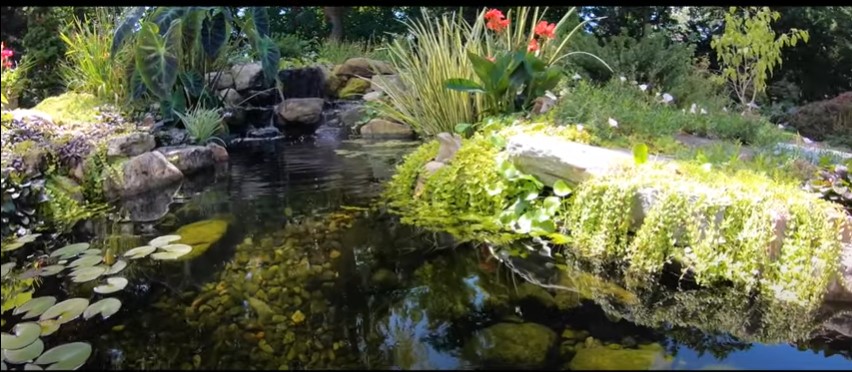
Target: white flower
point(634, 82)
point(622, 78)
point(725, 109)
point(612, 123)
point(752, 105)
point(706, 166)
point(780, 126)
point(703, 111)
point(807, 140)
point(579, 126)
point(550, 95)
point(643, 87)
point(657, 94)
point(692, 108)
point(667, 98)
point(576, 77)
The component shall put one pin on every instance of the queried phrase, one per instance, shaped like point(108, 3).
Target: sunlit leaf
point(140, 252)
point(106, 307)
point(114, 284)
point(35, 307)
point(163, 240)
point(67, 356)
point(22, 335)
point(24, 354)
point(69, 251)
point(560, 188)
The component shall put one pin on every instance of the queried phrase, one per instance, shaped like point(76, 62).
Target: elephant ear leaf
point(157, 58)
point(260, 16)
point(164, 17)
point(269, 57)
point(125, 27)
point(214, 34)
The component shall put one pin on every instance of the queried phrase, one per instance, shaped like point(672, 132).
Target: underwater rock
point(352, 116)
point(512, 345)
point(142, 173)
point(606, 358)
point(263, 310)
point(529, 291)
point(201, 235)
point(230, 97)
point(189, 159)
point(265, 132)
point(381, 128)
point(151, 205)
point(131, 144)
point(384, 279)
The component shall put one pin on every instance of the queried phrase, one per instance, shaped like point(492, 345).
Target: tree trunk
point(334, 15)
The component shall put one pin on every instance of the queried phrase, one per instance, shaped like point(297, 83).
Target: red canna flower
point(533, 46)
point(490, 58)
point(494, 14)
point(543, 29)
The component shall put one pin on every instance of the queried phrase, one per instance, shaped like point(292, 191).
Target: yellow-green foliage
point(467, 196)
point(62, 210)
point(71, 108)
point(354, 86)
point(98, 168)
point(734, 248)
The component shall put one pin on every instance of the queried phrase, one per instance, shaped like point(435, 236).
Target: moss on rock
point(512, 345)
point(71, 108)
point(354, 87)
point(610, 359)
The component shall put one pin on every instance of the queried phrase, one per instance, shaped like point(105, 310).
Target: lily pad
point(48, 326)
point(5, 268)
point(66, 311)
point(114, 284)
point(69, 251)
point(86, 261)
point(163, 240)
point(93, 251)
point(35, 307)
point(67, 356)
point(140, 252)
point(86, 274)
point(172, 252)
point(106, 307)
point(50, 270)
point(32, 367)
point(116, 267)
point(24, 334)
point(25, 354)
point(20, 242)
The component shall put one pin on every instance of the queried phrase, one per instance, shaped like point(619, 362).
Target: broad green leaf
point(260, 18)
point(525, 223)
point(35, 307)
point(140, 252)
point(24, 354)
point(69, 251)
point(125, 27)
point(48, 326)
point(462, 128)
point(640, 153)
point(85, 274)
point(113, 285)
point(86, 261)
point(547, 226)
point(157, 58)
point(463, 85)
point(67, 356)
point(5, 268)
point(269, 56)
point(560, 188)
point(482, 67)
point(165, 16)
point(214, 34)
point(23, 334)
point(116, 267)
point(551, 205)
point(65, 311)
point(162, 240)
point(106, 307)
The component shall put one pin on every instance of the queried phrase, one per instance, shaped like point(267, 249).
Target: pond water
point(306, 275)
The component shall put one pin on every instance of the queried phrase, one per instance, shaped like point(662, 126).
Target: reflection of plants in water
point(403, 334)
point(720, 345)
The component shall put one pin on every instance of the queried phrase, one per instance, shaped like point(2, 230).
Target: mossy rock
point(606, 358)
point(71, 108)
point(512, 345)
point(201, 235)
point(532, 292)
point(333, 84)
point(354, 87)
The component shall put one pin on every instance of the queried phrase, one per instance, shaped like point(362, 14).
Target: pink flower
point(533, 46)
point(496, 21)
point(545, 30)
point(490, 58)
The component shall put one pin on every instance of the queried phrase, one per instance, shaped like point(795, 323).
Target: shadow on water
point(304, 275)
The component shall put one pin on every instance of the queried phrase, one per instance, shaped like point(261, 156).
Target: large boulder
point(230, 97)
point(220, 80)
point(384, 129)
point(220, 154)
point(301, 110)
point(247, 76)
point(364, 67)
point(145, 172)
point(131, 144)
point(189, 159)
point(352, 116)
point(378, 83)
point(524, 345)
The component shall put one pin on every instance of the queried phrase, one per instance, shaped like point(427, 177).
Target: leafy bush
point(89, 66)
point(833, 183)
point(13, 78)
point(293, 46)
point(826, 120)
point(203, 124)
point(641, 114)
point(654, 60)
point(338, 52)
point(44, 52)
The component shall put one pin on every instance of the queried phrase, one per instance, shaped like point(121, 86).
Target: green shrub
point(338, 52)
point(44, 51)
point(203, 124)
point(654, 59)
point(293, 46)
point(89, 67)
point(641, 114)
point(826, 120)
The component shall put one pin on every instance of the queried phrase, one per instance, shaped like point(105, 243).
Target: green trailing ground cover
point(471, 196)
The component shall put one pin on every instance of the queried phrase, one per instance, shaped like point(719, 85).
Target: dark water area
point(306, 275)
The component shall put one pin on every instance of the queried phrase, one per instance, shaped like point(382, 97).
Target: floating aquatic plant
point(113, 285)
point(163, 240)
point(22, 335)
point(67, 356)
point(35, 307)
point(69, 251)
point(86, 274)
point(66, 311)
point(140, 252)
point(106, 307)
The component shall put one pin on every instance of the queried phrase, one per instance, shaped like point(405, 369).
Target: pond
point(301, 272)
